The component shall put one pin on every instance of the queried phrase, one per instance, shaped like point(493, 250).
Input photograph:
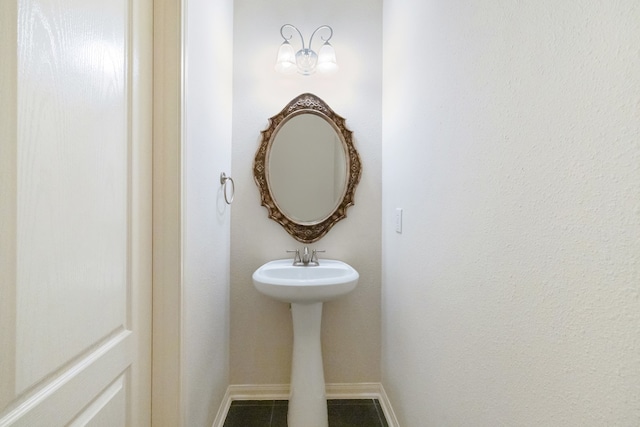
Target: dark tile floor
point(273, 413)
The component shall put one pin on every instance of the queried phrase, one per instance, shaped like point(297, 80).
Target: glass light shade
point(327, 59)
point(286, 59)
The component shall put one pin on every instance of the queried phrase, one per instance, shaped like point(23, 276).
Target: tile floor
point(273, 413)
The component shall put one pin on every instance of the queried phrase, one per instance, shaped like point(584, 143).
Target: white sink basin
point(285, 282)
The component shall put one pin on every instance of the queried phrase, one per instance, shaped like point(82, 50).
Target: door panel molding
point(61, 398)
point(109, 405)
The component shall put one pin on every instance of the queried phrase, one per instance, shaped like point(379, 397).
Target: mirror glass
point(307, 168)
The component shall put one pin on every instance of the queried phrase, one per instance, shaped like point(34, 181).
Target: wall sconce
point(306, 61)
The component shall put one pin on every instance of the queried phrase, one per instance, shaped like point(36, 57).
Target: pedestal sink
point(306, 288)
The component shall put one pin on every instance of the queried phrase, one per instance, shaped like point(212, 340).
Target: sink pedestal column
point(307, 401)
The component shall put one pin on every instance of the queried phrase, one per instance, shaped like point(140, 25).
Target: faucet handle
point(296, 258)
point(314, 256)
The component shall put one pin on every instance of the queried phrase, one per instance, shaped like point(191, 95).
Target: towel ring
point(224, 179)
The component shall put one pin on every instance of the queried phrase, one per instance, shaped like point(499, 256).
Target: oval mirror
point(307, 168)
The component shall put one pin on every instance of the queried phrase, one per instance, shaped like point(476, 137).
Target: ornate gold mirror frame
point(306, 232)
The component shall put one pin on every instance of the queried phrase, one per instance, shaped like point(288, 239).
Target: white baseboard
point(281, 392)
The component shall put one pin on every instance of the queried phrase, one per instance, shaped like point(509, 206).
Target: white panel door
point(75, 212)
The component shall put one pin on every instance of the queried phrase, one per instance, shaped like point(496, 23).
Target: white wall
point(208, 42)
point(511, 138)
point(261, 328)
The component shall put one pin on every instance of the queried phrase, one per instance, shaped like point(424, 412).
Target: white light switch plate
point(398, 220)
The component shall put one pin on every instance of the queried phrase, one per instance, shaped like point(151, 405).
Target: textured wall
point(206, 227)
point(511, 138)
point(261, 333)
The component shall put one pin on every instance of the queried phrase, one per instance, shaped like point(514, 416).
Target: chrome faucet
point(306, 258)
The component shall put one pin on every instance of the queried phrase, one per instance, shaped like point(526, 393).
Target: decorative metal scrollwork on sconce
point(306, 61)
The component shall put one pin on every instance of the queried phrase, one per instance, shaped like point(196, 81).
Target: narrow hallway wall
point(206, 153)
point(511, 139)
